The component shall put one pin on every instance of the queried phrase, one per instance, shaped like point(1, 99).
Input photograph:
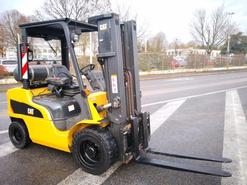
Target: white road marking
point(7, 148)
point(235, 139)
point(3, 102)
point(181, 79)
point(79, 177)
point(3, 131)
point(192, 96)
point(162, 114)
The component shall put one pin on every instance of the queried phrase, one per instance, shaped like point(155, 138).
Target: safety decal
point(71, 108)
point(114, 83)
point(24, 66)
point(25, 109)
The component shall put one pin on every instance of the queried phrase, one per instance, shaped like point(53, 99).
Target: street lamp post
point(229, 40)
point(229, 35)
point(228, 44)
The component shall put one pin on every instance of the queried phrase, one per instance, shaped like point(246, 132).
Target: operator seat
point(60, 77)
point(56, 75)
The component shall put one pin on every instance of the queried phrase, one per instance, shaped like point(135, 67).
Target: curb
point(187, 74)
point(6, 84)
point(143, 73)
point(8, 81)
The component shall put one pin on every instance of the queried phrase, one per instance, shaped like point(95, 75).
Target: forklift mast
point(117, 53)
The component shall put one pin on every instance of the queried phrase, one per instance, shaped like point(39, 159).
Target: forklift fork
point(142, 151)
point(193, 157)
point(143, 157)
point(182, 166)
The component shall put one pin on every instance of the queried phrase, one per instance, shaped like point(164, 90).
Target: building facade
point(43, 51)
point(188, 51)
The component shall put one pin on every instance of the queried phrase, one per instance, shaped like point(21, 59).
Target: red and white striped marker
point(24, 70)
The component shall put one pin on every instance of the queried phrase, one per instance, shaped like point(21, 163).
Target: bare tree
point(3, 44)
point(178, 44)
point(157, 43)
point(212, 30)
point(74, 9)
point(10, 21)
point(190, 44)
point(175, 44)
point(125, 13)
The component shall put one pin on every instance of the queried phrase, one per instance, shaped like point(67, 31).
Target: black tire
point(94, 150)
point(18, 135)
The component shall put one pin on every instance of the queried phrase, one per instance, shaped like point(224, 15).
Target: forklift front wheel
point(94, 150)
point(18, 135)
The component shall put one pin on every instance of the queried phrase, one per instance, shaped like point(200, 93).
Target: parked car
point(182, 62)
point(178, 62)
point(9, 64)
point(175, 63)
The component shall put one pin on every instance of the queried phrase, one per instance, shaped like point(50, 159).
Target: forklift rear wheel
point(18, 135)
point(94, 150)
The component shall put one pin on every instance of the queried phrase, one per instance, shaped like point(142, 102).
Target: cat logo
point(103, 27)
point(30, 111)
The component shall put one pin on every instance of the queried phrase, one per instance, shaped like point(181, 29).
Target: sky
point(172, 17)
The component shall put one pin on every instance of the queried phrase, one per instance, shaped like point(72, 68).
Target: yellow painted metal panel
point(42, 130)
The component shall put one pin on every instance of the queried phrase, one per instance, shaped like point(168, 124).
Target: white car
point(9, 64)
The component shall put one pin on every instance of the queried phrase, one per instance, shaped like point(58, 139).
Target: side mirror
point(30, 55)
point(75, 37)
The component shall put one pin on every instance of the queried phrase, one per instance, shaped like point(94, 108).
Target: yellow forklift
point(100, 123)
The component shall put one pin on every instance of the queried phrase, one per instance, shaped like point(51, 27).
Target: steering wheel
point(87, 68)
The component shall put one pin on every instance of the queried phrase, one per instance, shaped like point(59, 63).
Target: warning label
point(114, 86)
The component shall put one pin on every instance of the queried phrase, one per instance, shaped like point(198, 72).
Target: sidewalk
point(188, 72)
point(7, 83)
point(5, 87)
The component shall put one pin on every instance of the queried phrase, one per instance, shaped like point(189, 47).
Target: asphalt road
point(189, 115)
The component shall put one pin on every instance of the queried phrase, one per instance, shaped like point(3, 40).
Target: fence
point(159, 61)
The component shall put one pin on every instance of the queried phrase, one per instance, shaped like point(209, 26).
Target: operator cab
point(65, 33)
point(66, 102)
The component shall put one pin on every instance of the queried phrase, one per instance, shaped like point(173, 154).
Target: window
point(9, 62)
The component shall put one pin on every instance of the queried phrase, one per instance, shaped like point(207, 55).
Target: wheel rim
point(90, 154)
point(17, 136)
